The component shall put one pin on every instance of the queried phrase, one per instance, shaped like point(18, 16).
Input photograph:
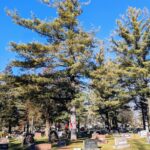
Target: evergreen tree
point(62, 62)
point(11, 108)
point(132, 46)
point(110, 93)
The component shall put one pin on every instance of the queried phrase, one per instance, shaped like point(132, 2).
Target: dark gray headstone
point(4, 143)
point(90, 144)
point(3, 146)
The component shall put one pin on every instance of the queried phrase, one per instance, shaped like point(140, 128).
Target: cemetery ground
point(136, 143)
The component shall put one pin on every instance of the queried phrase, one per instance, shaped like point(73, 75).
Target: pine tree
point(63, 61)
point(11, 108)
point(110, 93)
point(131, 45)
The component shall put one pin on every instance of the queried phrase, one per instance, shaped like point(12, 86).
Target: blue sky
point(99, 13)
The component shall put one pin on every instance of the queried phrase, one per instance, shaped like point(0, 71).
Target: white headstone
point(77, 149)
point(120, 143)
point(148, 138)
point(143, 133)
point(126, 135)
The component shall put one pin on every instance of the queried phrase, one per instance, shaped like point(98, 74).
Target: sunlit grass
point(136, 143)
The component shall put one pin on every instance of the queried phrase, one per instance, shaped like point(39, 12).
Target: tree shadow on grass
point(77, 141)
point(41, 142)
point(16, 146)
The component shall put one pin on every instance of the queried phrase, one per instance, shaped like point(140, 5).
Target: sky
point(98, 14)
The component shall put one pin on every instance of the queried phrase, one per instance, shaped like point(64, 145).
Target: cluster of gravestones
point(89, 144)
point(121, 140)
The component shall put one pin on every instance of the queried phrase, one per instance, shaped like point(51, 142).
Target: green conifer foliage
point(52, 72)
point(11, 108)
point(132, 47)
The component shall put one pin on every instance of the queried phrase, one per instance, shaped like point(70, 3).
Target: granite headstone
point(90, 144)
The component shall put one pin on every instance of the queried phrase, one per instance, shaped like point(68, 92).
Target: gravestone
point(99, 137)
point(76, 148)
point(126, 135)
point(37, 135)
point(62, 143)
point(143, 133)
point(4, 143)
point(148, 138)
point(90, 144)
point(44, 146)
point(121, 143)
point(28, 139)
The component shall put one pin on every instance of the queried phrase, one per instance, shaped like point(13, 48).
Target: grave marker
point(37, 135)
point(4, 143)
point(90, 144)
point(143, 133)
point(44, 146)
point(148, 138)
point(121, 143)
point(126, 135)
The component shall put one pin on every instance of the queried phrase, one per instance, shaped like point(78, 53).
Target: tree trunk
point(149, 113)
point(143, 116)
point(107, 121)
point(78, 123)
point(32, 125)
point(9, 128)
point(27, 127)
point(116, 121)
point(144, 111)
point(73, 124)
point(47, 127)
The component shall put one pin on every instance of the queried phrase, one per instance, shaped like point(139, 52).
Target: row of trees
point(52, 74)
point(126, 78)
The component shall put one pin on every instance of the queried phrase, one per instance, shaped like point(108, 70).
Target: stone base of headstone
point(76, 148)
point(91, 149)
point(67, 148)
point(73, 134)
point(121, 146)
point(43, 147)
point(121, 143)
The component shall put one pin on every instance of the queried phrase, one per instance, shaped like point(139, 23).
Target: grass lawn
point(135, 142)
